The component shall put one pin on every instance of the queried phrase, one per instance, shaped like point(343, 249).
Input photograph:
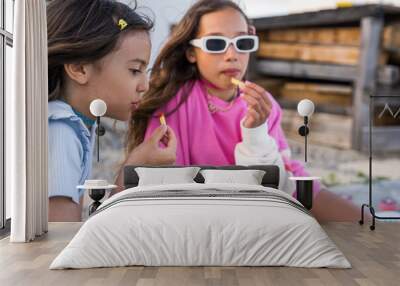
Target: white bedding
point(189, 230)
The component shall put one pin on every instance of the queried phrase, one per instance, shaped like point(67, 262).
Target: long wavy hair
point(172, 70)
point(84, 32)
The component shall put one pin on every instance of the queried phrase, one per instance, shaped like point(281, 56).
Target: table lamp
point(305, 108)
point(98, 108)
point(304, 185)
point(96, 190)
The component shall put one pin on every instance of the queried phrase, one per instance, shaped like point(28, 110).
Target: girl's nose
point(231, 54)
point(143, 86)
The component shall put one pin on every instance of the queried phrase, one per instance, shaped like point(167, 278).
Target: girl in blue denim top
point(96, 49)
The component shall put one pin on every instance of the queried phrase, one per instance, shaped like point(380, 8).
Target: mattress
point(201, 225)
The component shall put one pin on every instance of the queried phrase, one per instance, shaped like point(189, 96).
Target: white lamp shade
point(305, 107)
point(98, 107)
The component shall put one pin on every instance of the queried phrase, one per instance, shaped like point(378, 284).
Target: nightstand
point(96, 190)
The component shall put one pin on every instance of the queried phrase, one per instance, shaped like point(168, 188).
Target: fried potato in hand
point(150, 152)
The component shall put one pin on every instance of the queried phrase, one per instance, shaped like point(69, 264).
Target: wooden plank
point(338, 89)
point(326, 17)
point(306, 70)
point(391, 36)
point(326, 129)
point(324, 96)
point(320, 94)
point(273, 86)
point(328, 89)
point(374, 256)
point(313, 53)
point(387, 75)
point(343, 36)
point(366, 81)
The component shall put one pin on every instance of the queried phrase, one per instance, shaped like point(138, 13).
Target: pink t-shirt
point(206, 138)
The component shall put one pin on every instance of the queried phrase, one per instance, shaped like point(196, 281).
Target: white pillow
point(248, 177)
point(165, 176)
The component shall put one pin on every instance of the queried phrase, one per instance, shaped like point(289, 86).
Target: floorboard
point(374, 255)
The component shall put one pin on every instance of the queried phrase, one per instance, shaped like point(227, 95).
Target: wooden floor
point(374, 255)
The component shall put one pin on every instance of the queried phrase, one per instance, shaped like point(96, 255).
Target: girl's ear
point(252, 30)
point(191, 56)
point(78, 72)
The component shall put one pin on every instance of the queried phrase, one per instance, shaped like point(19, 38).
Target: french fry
point(238, 83)
point(162, 119)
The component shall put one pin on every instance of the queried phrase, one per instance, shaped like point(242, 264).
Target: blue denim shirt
point(71, 147)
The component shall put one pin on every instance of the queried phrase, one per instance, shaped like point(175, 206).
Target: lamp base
point(304, 190)
point(96, 195)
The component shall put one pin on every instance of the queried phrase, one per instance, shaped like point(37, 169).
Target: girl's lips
point(231, 72)
point(134, 105)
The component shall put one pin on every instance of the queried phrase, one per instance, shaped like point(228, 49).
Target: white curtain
point(26, 121)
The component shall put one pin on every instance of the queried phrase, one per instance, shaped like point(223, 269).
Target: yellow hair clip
point(122, 24)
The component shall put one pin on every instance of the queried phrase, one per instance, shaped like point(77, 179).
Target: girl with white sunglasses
point(217, 123)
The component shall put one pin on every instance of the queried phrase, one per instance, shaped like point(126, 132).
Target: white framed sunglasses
point(220, 44)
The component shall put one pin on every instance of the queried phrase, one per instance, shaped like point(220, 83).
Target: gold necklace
point(213, 108)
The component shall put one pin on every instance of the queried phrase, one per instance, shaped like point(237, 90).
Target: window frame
point(6, 39)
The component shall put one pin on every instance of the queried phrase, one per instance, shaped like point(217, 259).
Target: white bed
point(201, 225)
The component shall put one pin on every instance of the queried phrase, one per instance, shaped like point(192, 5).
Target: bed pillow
point(248, 177)
point(166, 176)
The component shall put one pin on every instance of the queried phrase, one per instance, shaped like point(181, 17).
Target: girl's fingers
point(253, 113)
point(158, 134)
point(254, 86)
point(257, 91)
point(169, 152)
point(256, 105)
point(261, 98)
point(252, 119)
point(164, 140)
point(248, 121)
point(250, 100)
point(169, 139)
point(152, 150)
point(172, 142)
